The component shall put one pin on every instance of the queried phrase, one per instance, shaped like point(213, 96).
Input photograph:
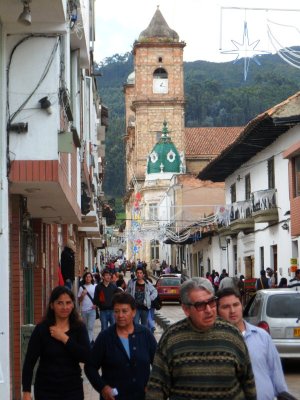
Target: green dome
point(164, 157)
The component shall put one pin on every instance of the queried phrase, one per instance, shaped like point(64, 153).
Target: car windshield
point(284, 306)
point(169, 282)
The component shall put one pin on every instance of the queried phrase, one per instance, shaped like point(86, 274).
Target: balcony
point(241, 218)
point(224, 230)
point(265, 206)
point(46, 185)
point(43, 13)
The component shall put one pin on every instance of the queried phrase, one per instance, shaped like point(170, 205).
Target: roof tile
point(210, 141)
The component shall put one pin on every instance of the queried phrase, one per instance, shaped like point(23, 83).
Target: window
point(271, 174)
point(154, 250)
point(297, 176)
point(255, 307)
point(153, 212)
point(262, 257)
point(247, 187)
point(169, 282)
point(283, 306)
point(160, 73)
point(233, 193)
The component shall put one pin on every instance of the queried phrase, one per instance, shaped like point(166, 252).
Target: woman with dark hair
point(283, 283)
point(124, 352)
point(60, 342)
point(86, 299)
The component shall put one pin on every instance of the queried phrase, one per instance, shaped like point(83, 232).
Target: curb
point(162, 321)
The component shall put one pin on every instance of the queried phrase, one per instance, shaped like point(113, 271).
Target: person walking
point(103, 299)
point(216, 281)
point(124, 352)
point(121, 283)
point(60, 342)
point(265, 360)
point(143, 292)
point(67, 263)
point(295, 281)
point(201, 356)
point(283, 283)
point(271, 277)
point(86, 299)
point(262, 282)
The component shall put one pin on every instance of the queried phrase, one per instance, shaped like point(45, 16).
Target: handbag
point(92, 300)
point(156, 303)
point(61, 281)
point(286, 396)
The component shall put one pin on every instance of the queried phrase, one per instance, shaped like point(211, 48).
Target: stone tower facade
point(154, 94)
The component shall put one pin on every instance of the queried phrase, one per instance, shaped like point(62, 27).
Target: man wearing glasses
point(201, 356)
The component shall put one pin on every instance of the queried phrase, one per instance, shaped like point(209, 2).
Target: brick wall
point(44, 279)
point(17, 294)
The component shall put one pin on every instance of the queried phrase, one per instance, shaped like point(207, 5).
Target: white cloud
point(203, 24)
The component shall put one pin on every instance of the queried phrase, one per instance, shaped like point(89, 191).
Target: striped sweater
point(194, 364)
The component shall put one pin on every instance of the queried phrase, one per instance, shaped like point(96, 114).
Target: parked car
point(168, 285)
point(278, 312)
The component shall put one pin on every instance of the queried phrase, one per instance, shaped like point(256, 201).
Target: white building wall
point(214, 250)
point(85, 13)
point(32, 83)
point(5, 380)
point(265, 236)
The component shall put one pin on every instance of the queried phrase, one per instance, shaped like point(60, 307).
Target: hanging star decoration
point(246, 51)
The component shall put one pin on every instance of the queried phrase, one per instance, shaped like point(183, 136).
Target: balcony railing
point(241, 215)
point(264, 199)
point(241, 210)
point(265, 206)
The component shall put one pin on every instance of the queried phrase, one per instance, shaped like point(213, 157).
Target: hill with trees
point(216, 95)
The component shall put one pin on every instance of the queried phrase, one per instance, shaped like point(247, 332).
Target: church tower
point(154, 95)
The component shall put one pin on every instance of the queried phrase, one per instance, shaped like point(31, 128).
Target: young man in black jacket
point(104, 293)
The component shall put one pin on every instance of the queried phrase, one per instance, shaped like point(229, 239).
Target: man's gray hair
point(195, 283)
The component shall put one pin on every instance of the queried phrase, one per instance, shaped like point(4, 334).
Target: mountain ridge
point(216, 95)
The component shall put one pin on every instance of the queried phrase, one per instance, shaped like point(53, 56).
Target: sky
point(217, 31)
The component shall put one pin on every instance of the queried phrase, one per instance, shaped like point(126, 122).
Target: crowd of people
point(267, 280)
point(212, 353)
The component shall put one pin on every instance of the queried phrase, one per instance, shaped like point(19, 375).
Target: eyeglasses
point(201, 305)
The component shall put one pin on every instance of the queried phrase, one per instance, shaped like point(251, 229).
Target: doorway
point(274, 261)
point(248, 267)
